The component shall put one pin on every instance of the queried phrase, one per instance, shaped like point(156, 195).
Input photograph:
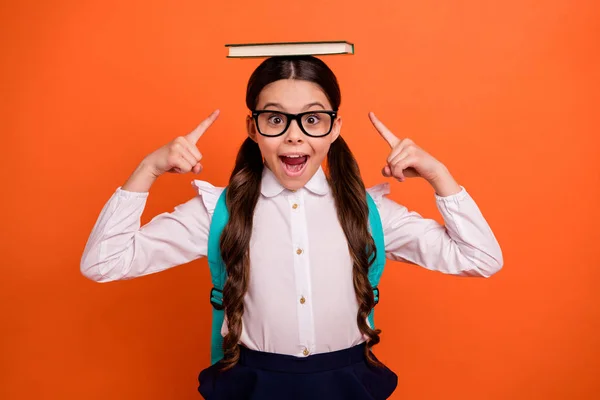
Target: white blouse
point(300, 298)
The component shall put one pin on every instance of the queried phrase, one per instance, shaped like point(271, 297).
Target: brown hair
point(348, 192)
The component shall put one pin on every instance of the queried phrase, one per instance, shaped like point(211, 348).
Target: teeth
point(294, 156)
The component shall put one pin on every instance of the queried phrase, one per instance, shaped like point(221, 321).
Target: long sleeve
point(119, 248)
point(465, 245)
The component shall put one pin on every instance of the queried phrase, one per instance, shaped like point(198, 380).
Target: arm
point(465, 246)
point(119, 248)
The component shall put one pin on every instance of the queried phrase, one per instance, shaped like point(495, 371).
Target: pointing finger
point(197, 133)
point(385, 133)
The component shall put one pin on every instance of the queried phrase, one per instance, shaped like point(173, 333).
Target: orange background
point(505, 93)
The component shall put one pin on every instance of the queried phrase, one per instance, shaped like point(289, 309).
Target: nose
point(294, 134)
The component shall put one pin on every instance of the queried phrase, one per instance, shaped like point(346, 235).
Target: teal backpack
point(219, 273)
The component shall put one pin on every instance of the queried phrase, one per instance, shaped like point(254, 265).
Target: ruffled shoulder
point(378, 191)
point(210, 194)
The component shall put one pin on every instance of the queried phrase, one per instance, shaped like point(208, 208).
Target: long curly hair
point(243, 191)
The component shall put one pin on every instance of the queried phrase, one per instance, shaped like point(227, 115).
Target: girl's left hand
point(407, 160)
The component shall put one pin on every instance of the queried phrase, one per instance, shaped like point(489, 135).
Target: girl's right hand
point(181, 155)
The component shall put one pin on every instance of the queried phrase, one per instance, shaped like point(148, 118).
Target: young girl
point(297, 245)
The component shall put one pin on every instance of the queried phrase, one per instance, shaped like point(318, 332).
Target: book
point(248, 50)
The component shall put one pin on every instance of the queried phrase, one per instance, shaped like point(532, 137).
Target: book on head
point(248, 50)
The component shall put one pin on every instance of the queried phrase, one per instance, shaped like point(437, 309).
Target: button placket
point(301, 272)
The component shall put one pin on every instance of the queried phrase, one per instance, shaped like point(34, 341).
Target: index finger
point(385, 133)
point(197, 133)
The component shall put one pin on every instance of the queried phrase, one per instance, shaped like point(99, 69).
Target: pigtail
point(350, 198)
point(242, 195)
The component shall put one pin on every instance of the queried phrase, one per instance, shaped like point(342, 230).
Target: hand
point(181, 155)
point(406, 159)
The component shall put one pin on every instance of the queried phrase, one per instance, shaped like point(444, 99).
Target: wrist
point(443, 183)
point(146, 168)
point(141, 179)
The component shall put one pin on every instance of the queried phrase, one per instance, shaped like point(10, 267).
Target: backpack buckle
point(216, 298)
point(376, 295)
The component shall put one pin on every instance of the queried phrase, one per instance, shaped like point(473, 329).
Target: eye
point(312, 119)
point(276, 119)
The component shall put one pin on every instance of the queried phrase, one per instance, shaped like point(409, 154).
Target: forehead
point(292, 94)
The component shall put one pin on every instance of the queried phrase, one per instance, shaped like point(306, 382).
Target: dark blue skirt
point(339, 375)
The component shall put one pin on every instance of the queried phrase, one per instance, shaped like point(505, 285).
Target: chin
point(295, 177)
point(291, 185)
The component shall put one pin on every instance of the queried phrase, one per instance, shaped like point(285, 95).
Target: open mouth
point(294, 164)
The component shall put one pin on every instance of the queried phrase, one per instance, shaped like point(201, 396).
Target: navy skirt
point(339, 375)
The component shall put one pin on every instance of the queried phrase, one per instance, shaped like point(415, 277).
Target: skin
point(405, 160)
point(293, 96)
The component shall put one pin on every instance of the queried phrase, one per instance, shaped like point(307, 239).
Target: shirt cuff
point(126, 194)
point(456, 197)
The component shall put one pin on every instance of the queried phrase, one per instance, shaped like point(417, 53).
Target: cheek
point(320, 147)
point(268, 147)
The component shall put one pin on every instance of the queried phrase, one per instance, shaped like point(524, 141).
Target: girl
point(297, 244)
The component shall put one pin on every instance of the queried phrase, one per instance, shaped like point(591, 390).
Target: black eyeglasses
point(274, 123)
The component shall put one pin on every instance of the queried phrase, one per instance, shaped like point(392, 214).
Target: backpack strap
point(218, 275)
point(218, 271)
point(376, 269)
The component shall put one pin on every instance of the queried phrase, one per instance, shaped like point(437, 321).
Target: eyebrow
point(309, 105)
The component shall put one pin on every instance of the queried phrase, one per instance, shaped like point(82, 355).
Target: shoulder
point(378, 193)
point(209, 193)
point(388, 208)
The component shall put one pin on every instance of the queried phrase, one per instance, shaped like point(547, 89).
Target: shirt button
point(299, 251)
point(295, 206)
point(302, 300)
point(305, 352)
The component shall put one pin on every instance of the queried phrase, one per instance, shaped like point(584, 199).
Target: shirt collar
point(270, 186)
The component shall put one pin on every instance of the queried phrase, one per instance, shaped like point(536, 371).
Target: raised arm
point(464, 245)
point(120, 248)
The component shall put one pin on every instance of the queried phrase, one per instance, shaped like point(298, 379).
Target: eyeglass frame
point(294, 117)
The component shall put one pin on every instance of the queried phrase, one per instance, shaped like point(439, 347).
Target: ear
point(337, 129)
point(251, 128)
